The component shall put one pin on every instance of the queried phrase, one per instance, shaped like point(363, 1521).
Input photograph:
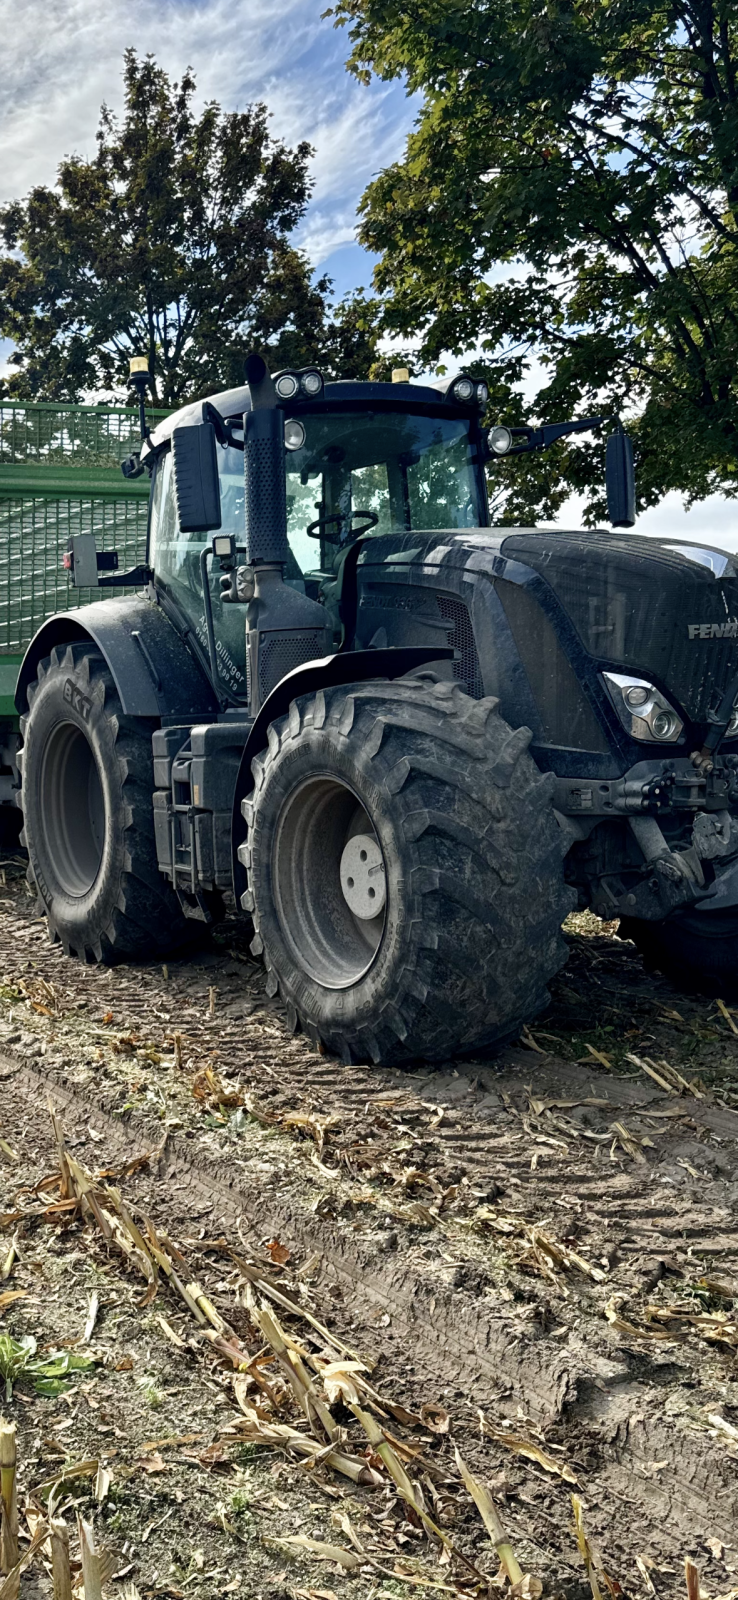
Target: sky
point(62, 59)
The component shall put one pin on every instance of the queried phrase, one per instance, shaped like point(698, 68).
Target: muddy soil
point(543, 1247)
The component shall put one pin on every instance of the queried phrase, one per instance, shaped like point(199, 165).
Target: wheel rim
point(328, 872)
point(73, 810)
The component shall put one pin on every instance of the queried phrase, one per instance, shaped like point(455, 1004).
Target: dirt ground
point(533, 1259)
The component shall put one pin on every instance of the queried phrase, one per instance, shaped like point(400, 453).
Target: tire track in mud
point(465, 1315)
point(605, 1407)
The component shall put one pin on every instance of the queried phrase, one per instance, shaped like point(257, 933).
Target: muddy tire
point(696, 950)
point(88, 826)
point(424, 798)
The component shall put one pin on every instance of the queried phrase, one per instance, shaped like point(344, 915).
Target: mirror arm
point(223, 429)
point(541, 438)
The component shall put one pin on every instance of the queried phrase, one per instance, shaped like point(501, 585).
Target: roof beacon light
point(138, 368)
point(311, 384)
point(400, 374)
point(500, 440)
point(287, 385)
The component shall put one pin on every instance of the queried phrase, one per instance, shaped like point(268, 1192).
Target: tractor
point(402, 743)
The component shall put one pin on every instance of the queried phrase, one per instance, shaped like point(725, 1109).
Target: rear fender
point(156, 675)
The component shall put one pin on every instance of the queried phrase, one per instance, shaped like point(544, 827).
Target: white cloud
point(62, 59)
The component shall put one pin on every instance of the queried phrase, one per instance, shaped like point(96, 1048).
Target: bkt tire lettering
point(77, 700)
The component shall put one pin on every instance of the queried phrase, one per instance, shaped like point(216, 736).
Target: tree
point(570, 194)
point(174, 243)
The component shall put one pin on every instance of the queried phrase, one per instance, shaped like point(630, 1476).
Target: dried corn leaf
point(325, 1552)
point(527, 1447)
point(411, 1492)
point(281, 1436)
point(612, 1311)
point(9, 1295)
point(628, 1141)
point(9, 1588)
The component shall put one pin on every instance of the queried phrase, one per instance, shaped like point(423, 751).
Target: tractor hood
point(654, 608)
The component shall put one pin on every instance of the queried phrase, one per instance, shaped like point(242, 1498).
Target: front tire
point(696, 950)
point(88, 826)
point(417, 794)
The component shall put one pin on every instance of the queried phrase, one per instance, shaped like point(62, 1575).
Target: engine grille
point(280, 652)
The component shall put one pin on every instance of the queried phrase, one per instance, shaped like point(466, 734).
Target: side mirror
point(196, 481)
point(620, 481)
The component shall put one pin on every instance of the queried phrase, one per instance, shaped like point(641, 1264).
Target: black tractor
point(403, 743)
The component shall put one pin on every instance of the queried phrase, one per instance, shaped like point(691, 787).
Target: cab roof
point(232, 403)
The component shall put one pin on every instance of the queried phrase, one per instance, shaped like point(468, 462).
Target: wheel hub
point(362, 877)
point(329, 882)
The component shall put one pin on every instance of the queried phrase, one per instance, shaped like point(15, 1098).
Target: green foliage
point(173, 242)
point(570, 194)
point(18, 1358)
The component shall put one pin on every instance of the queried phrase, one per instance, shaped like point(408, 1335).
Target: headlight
point(311, 384)
point(287, 385)
point(294, 435)
point(499, 440)
point(463, 390)
point(643, 710)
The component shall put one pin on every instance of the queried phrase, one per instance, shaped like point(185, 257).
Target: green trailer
point(59, 476)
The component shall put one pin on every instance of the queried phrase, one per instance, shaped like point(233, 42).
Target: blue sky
point(62, 58)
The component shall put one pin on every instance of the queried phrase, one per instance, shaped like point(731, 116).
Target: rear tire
point(417, 792)
point(88, 826)
point(696, 950)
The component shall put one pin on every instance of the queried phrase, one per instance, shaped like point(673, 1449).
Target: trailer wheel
point(405, 871)
point(88, 827)
point(696, 950)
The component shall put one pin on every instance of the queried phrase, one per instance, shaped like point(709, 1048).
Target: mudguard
point(154, 672)
point(346, 666)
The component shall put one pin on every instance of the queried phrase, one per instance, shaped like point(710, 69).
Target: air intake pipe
point(264, 469)
point(284, 628)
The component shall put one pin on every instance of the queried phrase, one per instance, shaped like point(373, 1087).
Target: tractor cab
point(358, 457)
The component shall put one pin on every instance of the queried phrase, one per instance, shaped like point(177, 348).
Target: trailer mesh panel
point(33, 536)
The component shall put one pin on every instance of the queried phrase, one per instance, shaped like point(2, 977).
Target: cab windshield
point(393, 471)
point(352, 472)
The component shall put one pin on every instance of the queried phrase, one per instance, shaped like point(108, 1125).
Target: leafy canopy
point(569, 194)
point(174, 243)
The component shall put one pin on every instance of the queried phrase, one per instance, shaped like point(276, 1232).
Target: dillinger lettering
point(713, 630)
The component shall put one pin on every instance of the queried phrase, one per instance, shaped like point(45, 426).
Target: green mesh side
point(34, 532)
point(70, 436)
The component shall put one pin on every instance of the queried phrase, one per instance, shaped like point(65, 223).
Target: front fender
point(153, 670)
point(329, 672)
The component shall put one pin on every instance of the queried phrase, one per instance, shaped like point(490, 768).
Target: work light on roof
point(287, 385)
point(463, 390)
point(311, 384)
point(482, 394)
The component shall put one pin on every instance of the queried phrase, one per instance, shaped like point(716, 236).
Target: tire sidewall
point(66, 696)
point(319, 753)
